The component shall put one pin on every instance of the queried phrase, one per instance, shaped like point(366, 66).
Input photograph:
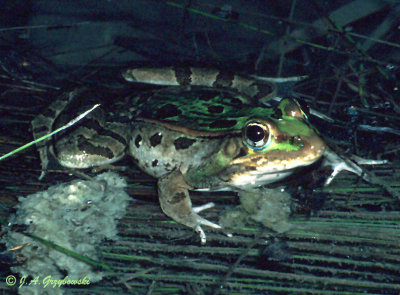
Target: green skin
point(204, 113)
point(219, 114)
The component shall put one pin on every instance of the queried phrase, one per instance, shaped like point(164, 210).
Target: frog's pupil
point(255, 133)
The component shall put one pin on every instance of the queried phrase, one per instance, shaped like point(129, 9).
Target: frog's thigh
point(89, 147)
point(175, 202)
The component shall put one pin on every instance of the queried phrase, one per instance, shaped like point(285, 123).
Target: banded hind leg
point(173, 193)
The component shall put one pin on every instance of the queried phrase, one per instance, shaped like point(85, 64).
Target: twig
point(69, 124)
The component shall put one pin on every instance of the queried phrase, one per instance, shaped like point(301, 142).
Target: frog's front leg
point(173, 193)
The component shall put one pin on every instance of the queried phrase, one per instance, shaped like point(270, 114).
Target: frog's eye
point(256, 135)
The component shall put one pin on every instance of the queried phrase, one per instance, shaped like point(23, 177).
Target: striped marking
point(186, 76)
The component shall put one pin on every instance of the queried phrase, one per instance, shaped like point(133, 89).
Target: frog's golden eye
point(256, 135)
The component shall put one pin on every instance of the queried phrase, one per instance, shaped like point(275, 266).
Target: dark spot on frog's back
point(154, 163)
point(155, 140)
point(168, 111)
point(183, 143)
point(237, 102)
point(216, 109)
point(223, 124)
point(207, 95)
point(138, 139)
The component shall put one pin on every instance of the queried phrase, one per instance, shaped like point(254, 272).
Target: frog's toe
point(206, 222)
point(341, 163)
point(199, 230)
point(201, 233)
point(203, 207)
point(202, 221)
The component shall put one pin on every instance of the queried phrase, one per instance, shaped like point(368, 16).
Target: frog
point(207, 134)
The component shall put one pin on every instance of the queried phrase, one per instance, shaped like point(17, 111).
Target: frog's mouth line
point(257, 178)
point(287, 164)
point(274, 159)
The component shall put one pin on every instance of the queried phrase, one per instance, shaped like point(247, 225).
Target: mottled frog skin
point(189, 139)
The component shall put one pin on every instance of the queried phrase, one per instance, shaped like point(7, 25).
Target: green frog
point(210, 134)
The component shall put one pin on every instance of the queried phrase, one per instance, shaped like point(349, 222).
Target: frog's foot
point(202, 221)
point(173, 192)
point(340, 163)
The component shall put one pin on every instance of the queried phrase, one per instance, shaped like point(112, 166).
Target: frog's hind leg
point(175, 202)
point(43, 123)
point(93, 143)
